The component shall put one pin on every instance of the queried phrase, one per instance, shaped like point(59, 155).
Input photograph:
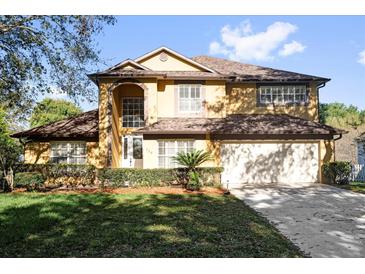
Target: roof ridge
point(254, 65)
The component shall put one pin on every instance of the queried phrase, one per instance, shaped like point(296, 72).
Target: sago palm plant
point(191, 160)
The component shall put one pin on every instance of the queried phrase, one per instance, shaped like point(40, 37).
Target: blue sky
point(327, 46)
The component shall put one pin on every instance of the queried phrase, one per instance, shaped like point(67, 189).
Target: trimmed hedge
point(134, 177)
point(338, 172)
point(62, 174)
point(30, 180)
point(55, 175)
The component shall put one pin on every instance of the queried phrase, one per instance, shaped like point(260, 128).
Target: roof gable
point(128, 64)
point(165, 59)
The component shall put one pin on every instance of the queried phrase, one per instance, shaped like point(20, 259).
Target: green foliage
point(74, 175)
point(30, 180)
point(338, 172)
point(118, 177)
point(34, 225)
point(191, 160)
point(194, 181)
point(62, 174)
point(52, 110)
point(135, 177)
point(40, 54)
point(340, 115)
point(10, 151)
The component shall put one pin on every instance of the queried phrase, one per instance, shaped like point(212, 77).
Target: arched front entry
point(128, 113)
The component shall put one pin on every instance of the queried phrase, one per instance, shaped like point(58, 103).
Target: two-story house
point(260, 124)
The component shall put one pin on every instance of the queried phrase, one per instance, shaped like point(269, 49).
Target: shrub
point(338, 172)
point(62, 174)
point(30, 180)
point(193, 182)
point(118, 177)
point(191, 161)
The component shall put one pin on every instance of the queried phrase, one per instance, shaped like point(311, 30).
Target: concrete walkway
point(323, 221)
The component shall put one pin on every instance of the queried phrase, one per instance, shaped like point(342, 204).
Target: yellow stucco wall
point(150, 152)
point(221, 100)
point(93, 154)
point(39, 153)
point(173, 63)
point(327, 154)
point(241, 98)
point(160, 96)
point(146, 88)
point(214, 95)
point(118, 93)
point(103, 122)
point(36, 152)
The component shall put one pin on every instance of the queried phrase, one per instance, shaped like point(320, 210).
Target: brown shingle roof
point(84, 126)
point(255, 124)
point(246, 72)
point(163, 74)
point(225, 69)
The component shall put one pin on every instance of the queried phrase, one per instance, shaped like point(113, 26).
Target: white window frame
point(190, 101)
point(188, 146)
point(283, 95)
point(69, 156)
point(143, 110)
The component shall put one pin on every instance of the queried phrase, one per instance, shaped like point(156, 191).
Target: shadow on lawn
point(100, 225)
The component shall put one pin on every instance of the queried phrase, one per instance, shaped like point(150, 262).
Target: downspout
point(321, 85)
point(334, 145)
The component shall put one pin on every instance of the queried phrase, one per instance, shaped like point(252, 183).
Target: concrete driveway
point(323, 221)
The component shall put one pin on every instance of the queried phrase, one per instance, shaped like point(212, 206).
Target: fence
point(358, 173)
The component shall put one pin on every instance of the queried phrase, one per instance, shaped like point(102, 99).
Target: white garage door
point(295, 164)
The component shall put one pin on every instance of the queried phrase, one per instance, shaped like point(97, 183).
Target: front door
point(132, 151)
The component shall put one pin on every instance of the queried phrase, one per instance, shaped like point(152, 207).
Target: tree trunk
point(9, 179)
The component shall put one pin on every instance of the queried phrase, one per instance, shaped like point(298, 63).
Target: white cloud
point(361, 59)
point(242, 44)
point(291, 48)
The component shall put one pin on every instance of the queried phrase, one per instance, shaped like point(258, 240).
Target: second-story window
point(133, 111)
point(190, 98)
point(283, 94)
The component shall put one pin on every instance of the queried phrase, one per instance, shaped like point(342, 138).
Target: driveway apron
point(322, 220)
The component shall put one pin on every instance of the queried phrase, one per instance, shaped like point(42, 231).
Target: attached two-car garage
point(287, 163)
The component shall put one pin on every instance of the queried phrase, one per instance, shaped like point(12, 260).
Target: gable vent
point(164, 57)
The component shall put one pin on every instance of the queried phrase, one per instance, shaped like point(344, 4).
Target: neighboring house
point(261, 124)
point(360, 143)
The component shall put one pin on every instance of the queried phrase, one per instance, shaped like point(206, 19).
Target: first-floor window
point(283, 94)
point(168, 149)
point(68, 153)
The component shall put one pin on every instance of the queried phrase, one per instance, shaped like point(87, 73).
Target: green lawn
point(354, 186)
point(111, 225)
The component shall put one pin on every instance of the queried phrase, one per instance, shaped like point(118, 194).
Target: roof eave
point(157, 75)
point(236, 79)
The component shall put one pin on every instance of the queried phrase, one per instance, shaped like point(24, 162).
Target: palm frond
point(193, 159)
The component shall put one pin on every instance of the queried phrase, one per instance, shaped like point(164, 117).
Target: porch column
point(105, 112)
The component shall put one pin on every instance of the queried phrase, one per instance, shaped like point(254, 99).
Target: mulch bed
point(130, 190)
